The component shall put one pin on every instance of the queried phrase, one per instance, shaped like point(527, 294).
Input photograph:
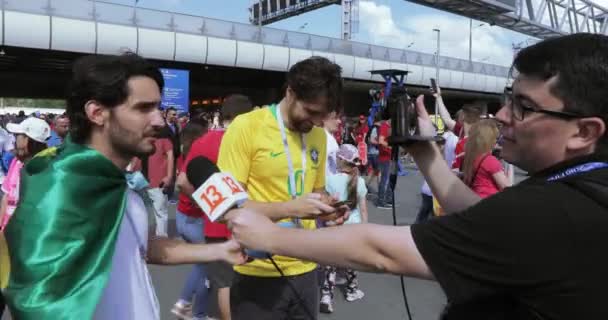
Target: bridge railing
point(113, 13)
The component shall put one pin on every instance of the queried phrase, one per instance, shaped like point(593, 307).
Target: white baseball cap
point(34, 128)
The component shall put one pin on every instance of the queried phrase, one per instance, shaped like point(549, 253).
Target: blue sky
point(393, 23)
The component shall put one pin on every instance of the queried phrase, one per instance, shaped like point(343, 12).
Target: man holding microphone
point(534, 251)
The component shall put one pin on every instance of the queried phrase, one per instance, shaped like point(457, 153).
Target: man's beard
point(127, 143)
point(304, 128)
point(298, 126)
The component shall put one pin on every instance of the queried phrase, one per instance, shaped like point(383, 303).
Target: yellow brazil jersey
point(252, 150)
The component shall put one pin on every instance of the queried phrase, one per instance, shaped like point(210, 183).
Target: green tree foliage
point(34, 103)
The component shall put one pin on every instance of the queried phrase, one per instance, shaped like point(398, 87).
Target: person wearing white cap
point(7, 144)
point(347, 186)
point(31, 135)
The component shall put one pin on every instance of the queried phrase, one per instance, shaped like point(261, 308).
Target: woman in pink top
point(482, 171)
point(31, 135)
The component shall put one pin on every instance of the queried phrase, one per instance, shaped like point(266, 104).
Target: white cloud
point(377, 20)
point(489, 43)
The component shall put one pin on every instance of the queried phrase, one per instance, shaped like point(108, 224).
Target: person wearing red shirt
point(220, 275)
point(483, 172)
point(465, 118)
point(470, 115)
point(459, 153)
point(385, 194)
point(360, 130)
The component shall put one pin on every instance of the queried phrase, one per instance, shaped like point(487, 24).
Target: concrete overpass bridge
point(40, 38)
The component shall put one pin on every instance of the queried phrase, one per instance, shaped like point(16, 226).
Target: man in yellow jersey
point(279, 155)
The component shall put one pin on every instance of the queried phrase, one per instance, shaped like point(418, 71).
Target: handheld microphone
point(219, 192)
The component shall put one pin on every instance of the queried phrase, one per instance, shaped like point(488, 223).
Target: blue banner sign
point(176, 93)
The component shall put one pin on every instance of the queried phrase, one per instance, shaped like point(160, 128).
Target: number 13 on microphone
point(218, 194)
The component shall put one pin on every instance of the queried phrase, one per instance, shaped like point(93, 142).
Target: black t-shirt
point(538, 250)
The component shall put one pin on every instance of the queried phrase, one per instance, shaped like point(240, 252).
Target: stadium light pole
point(471, 37)
point(260, 19)
point(437, 71)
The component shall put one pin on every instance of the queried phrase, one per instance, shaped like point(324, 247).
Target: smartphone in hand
point(342, 203)
point(434, 85)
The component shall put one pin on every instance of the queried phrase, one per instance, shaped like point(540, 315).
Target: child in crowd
point(350, 187)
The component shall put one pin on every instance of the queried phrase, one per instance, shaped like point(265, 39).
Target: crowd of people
point(533, 250)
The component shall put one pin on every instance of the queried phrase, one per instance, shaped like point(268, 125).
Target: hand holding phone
point(342, 203)
point(434, 87)
point(339, 216)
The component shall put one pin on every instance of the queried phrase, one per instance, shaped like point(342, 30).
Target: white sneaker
point(182, 310)
point(326, 305)
point(355, 295)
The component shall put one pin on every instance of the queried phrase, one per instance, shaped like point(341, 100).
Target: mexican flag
point(61, 238)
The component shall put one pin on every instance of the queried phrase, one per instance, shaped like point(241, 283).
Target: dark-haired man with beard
point(279, 155)
point(85, 256)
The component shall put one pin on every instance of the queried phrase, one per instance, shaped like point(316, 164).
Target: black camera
point(404, 120)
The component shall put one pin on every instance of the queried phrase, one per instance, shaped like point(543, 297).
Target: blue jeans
point(384, 191)
point(372, 161)
point(191, 229)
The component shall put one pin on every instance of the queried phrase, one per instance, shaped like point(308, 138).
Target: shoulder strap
point(477, 169)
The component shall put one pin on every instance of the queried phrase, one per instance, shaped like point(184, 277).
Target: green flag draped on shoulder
point(62, 235)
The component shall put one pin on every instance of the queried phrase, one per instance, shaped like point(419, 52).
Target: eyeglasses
point(519, 109)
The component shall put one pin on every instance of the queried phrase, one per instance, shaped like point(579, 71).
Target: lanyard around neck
point(582, 168)
point(292, 176)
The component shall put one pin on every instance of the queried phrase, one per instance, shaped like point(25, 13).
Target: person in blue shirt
point(60, 130)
